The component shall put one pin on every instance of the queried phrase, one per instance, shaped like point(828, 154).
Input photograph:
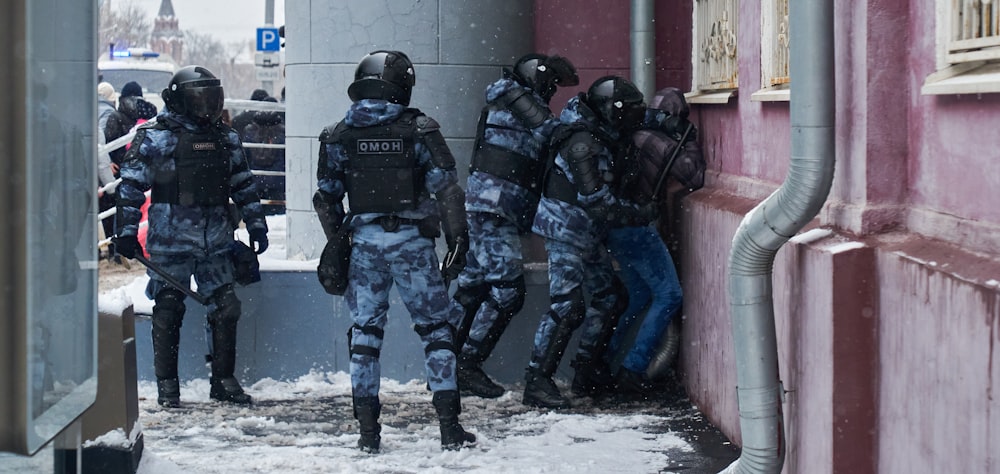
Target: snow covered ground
point(305, 426)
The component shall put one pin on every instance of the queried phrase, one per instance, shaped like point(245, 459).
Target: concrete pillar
point(117, 404)
point(457, 48)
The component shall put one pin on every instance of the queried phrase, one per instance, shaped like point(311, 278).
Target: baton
point(186, 289)
point(670, 162)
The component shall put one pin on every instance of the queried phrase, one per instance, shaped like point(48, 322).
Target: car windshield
point(151, 81)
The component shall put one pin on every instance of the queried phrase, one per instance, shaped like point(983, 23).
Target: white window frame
point(968, 57)
point(714, 56)
point(775, 74)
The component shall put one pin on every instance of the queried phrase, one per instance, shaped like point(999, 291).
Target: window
point(715, 68)
point(968, 42)
point(974, 34)
point(774, 53)
point(48, 330)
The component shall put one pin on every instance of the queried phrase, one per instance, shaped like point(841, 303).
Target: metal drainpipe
point(768, 226)
point(643, 46)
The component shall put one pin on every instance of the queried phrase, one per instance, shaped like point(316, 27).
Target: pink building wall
point(887, 318)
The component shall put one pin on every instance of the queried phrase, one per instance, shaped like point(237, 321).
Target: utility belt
point(558, 186)
point(429, 227)
point(505, 164)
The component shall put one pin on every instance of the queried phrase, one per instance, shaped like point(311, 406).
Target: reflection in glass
point(60, 218)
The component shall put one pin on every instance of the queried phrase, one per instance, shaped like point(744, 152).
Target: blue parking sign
point(268, 39)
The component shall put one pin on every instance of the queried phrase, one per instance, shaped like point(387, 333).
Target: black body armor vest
point(503, 163)
point(382, 174)
point(201, 171)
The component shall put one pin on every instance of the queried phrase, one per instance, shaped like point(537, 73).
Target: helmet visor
point(629, 116)
point(204, 104)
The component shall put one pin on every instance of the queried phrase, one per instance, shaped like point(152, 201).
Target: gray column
point(457, 48)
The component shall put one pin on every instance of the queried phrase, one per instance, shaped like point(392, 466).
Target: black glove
point(127, 246)
point(454, 260)
point(259, 238)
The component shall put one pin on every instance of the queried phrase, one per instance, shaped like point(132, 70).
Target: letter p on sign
point(268, 39)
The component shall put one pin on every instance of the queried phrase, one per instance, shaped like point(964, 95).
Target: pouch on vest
point(334, 262)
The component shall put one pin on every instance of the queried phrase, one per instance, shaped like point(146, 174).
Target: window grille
point(774, 43)
point(716, 22)
point(975, 31)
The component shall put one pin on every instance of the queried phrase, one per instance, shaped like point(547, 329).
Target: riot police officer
point(394, 166)
point(193, 164)
point(501, 197)
point(572, 218)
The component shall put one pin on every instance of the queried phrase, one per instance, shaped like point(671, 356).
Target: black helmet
point(543, 73)
point(617, 102)
point(384, 75)
point(195, 93)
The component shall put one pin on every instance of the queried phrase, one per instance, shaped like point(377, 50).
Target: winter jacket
point(104, 110)
point(265, 127)
point(130, 110)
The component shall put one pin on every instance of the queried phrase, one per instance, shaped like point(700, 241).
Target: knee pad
point(373, 350)
point(577, 309)
point(227, 307)
point(434, 338)
point(518, 302)
point(472, 296)
point(168, 309)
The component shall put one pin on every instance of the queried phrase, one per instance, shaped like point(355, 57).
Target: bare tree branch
point(126, 26)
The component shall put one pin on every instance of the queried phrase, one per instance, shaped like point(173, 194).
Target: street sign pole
point(269, 21)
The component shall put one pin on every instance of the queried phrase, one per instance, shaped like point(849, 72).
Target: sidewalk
point(306, 426)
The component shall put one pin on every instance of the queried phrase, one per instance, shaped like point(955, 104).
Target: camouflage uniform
point(186, 239)
point(381, 258)
point(579, 263)
point(499, 211)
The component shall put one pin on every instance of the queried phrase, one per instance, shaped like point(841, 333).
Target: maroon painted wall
point(594, 35)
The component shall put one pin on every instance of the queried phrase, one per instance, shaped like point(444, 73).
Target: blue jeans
point(649, 274)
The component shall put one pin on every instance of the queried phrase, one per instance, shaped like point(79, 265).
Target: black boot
point(539, 388)
point(472, 380)
point(168, 393)
point(541, 391)
point(633, 386)
point(366, 411)
point(168, 314)
point(592, 377)
point(224, 386)
point(227, 389)
point(448, 406)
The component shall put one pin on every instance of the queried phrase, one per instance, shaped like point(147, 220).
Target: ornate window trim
point(774, 39)
point(714, 54)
